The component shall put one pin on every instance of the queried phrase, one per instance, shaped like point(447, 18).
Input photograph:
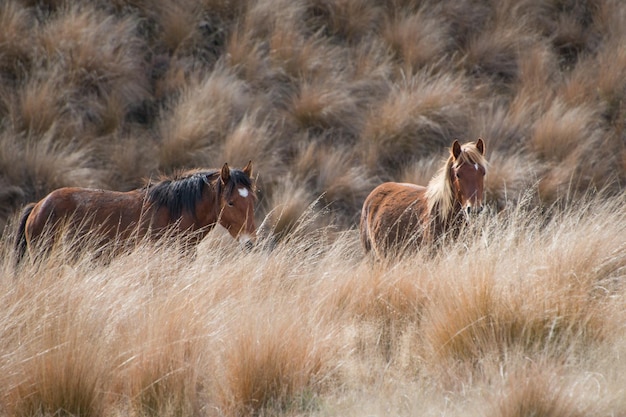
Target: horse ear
point(248, 169)
point(480, 145)
point(456, 149)
point(225, 174)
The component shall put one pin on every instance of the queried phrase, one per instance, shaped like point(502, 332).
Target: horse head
point(467, 175)
point(236, 202)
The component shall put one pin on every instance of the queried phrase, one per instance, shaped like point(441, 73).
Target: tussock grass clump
point(538, 69)
point(493, 55)
point(386, 305)
point(252, 139)
point(45, 164)
point(38, 111)
point(327, 106)
point(542, 389)
point(273, 362)
point(417, 40)
point(567, 135)
point(510, 178)
point(201, 119)
point(160, 366)
point(347, 20)
point(15, 53)
point(416, 119)
point(562, 131)
point(178, 24)
point(331, 173)
point(288, 204)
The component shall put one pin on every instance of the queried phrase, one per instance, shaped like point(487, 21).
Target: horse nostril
point(473, 211)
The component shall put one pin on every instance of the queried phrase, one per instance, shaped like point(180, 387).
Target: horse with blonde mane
point(400, 217)
point(188, 205)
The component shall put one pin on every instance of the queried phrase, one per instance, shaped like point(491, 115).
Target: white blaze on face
point(243, 192)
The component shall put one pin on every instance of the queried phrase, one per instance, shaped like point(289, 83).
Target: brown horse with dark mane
point(397, 217)
point(188, 204)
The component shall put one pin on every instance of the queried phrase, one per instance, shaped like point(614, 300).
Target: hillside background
point(327, 97)
point(523, 315)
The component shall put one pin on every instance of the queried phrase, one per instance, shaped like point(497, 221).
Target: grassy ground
point(522, 316)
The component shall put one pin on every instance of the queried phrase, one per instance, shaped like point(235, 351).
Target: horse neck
point(444, 220)
point(443, 204)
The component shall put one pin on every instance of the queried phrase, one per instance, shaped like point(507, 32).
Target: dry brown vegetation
point(523, 316)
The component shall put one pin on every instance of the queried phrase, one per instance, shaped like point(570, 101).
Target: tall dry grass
point(523, 314)
point(328, 98)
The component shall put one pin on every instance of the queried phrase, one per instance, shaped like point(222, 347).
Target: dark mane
point(183, 191)
point(180, 193)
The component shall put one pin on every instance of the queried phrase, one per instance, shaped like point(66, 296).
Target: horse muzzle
point(473, 210)
point(246, 241)
point(469, 212)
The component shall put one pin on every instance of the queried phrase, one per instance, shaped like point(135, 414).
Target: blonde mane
point(439, 193)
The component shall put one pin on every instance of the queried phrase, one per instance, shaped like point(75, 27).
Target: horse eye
point(458, 175)
point(230, 204)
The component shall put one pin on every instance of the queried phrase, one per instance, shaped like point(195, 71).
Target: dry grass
point(93, 57)
point(199, 121)
point(310, 326)
point(328, 98)
point(182, 85)
point(417, 40)
point(415, 120)
point(346, 19)
point(15, 52)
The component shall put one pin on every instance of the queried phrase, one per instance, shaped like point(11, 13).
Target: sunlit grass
point(307, 324)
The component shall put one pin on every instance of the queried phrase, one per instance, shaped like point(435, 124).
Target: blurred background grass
point(327, 97)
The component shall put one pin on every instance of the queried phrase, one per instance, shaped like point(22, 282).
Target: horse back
point(392, 215)
point(85, 207)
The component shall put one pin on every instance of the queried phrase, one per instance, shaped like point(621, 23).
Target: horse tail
point(20, 237)
point(365, 232)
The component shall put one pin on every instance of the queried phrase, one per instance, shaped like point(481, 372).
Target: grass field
point(522, 316)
